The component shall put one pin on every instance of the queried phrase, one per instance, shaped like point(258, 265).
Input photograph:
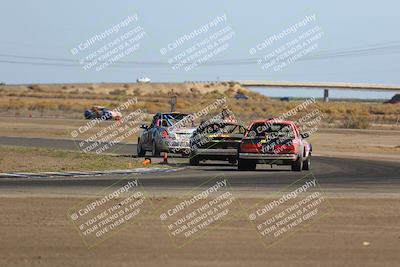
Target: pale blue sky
point(50, 28)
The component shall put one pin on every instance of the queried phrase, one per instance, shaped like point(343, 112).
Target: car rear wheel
point(140, 151)
point(297, 165)
point(246, 165)
point(232, 160)
point(185, 155)
point(307, 163)
point(194, 161)
point(155, 152)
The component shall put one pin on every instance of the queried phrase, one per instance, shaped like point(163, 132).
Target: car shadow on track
point(243, 171)
point(227, 167)
point(221, 167)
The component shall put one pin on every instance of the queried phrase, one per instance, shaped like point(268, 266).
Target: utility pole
point(172, 101)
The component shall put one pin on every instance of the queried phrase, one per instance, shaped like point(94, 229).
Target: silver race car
point(168, 132)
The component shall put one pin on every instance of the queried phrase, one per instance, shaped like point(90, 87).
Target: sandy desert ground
point(36, 232)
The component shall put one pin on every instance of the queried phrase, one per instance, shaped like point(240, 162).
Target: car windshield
point(173, 118)
point(271, 131)
point(222, 128)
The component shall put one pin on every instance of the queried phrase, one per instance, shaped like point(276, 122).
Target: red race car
point(274, 142)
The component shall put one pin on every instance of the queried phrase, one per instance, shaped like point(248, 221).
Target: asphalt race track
point(336, 174)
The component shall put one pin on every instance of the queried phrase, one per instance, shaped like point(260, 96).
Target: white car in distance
point(143, 80)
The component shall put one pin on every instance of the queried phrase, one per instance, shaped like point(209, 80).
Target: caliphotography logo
point(201, 210)
point(300, 204)
point(98, 218)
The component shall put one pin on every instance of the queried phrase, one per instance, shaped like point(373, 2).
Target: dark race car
point(274, 143)
point(216, 141)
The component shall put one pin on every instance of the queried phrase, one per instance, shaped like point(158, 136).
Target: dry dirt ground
point(48, 127)
point(354, 143)
point(34, 159)
point(35, 231)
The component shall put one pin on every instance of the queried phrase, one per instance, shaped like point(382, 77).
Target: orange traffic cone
point(146, 161)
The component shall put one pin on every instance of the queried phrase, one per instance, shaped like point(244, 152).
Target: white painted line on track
point(88, 173)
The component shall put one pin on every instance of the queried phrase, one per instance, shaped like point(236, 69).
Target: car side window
point(164, 123)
